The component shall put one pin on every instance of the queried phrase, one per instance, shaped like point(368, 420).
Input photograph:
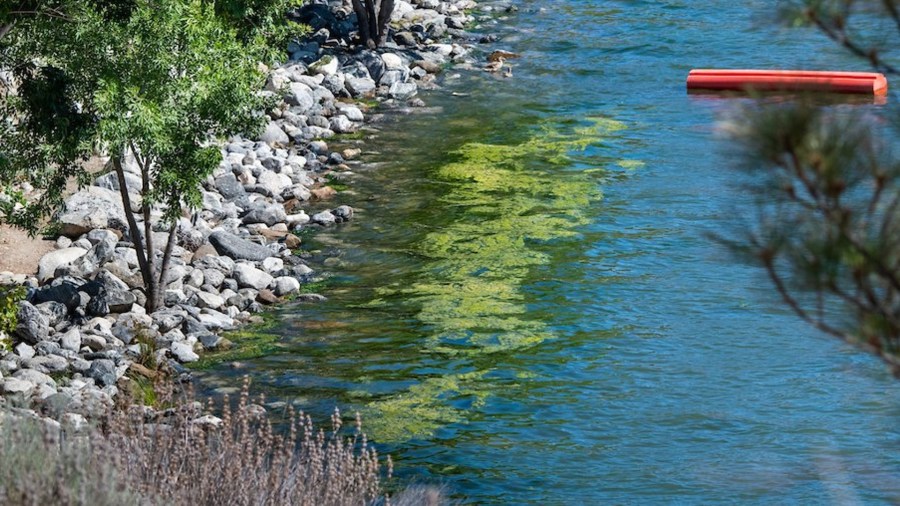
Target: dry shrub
point(180, 456)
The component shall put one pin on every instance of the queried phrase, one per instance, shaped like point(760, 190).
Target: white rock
point(24, 350)
point(285, 285)
point(17, 386)
point(184, 353)
point(207, 421)
point(71, 340)
point(249, 276)
point(54, 259)
point(392, 61)
point(273, 264)
point(210, 300)
point(326, 66)
point(294, 220)
point(274, 182)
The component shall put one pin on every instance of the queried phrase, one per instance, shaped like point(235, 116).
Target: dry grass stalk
point(181, 457)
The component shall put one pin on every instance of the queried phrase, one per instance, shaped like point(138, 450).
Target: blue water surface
point(634, 361)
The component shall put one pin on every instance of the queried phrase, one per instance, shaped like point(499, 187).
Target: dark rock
point(32, 326)
point(120, 301)
point(103, 371)
point(97, 306)
point(310, 297)
point(343, 213)
point(210, 341)
point(235, 247)
point(405, 39)
point(168, 319)
point(54, 311)
point(93, 288)
point(268, 214)
point(65, 293)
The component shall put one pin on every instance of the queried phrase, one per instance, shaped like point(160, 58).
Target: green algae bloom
point(509, 201)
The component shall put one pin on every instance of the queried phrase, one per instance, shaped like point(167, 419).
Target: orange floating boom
point(869, 83)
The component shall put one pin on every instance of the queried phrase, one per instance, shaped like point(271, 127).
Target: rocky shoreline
point(83, 326)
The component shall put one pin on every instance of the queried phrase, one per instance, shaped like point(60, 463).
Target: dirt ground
point(19, 253)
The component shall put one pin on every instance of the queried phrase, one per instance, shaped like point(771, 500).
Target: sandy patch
point(19, 253)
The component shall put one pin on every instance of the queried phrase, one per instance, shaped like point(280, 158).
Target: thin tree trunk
point(372, 18)
point(164, 269)
point(152, 287)
point(362, 21)
point(133, 231)
point(384, 18)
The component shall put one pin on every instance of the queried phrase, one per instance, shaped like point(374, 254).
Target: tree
point(157, 80)
point(372, 18)
point(826, 226)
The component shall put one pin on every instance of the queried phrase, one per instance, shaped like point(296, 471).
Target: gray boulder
point(51, 261)
point(55, 312)
point(17, 387)
point(403, 91)
point(343, 213)
point(286, 285)
point(24, 350)
point(110, 181)
point(230, 187)
point(32, 326)
point(91, 208)
point(71, 340)
point(49, 364)
point(268, 214)
point(168, 319)
point(120, 301)
point(249, 276)
point(358, 86)
point(85, 265)
point(342, 124)
point(130, 324)
point(35, 377)
point(274, 182)
point(233, 246)
point(324, 218)
point(210, 300)
point(300, 97)
point(273, 134)
point(103, 371)
point(184, 353)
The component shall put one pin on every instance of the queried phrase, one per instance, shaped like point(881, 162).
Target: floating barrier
point(869, 83)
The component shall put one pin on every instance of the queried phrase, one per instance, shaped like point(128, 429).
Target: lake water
point(529, 309)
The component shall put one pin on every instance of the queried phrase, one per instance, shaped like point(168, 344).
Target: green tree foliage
point(826, 226)
point(159, 80)
point(9, 307)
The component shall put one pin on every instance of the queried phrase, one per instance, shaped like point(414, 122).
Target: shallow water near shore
point(528, 307)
